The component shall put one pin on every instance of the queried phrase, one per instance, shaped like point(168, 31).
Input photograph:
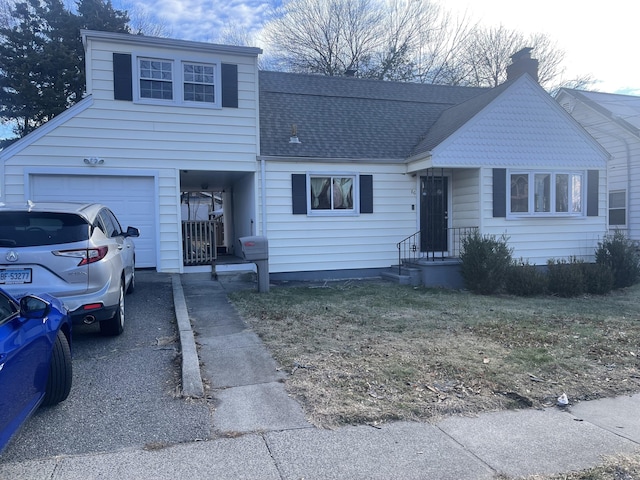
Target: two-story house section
point(167, 136)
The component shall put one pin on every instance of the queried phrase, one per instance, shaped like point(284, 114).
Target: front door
point(434, 213)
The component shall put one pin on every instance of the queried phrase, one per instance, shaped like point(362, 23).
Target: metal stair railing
point(409, 249)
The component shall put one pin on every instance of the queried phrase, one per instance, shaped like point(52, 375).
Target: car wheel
point(132, 283)
point(60, 372)
point(115, 326)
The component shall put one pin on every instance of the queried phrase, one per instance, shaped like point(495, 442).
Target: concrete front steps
point(444, 273)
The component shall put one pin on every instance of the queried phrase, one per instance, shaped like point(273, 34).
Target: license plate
point(16, 275)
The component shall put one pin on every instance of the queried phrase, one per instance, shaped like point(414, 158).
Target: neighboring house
point(614, 121)
point(335, 172)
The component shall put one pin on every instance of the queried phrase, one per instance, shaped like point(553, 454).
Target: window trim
point(531, 213)
point(178, 80)
point(352, 212)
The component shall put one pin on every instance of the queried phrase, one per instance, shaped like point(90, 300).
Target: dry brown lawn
point(373, 351)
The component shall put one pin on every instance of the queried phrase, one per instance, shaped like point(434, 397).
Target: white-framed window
point(156, 78)
point(618, 208)
point(198, 82)
point(178, 81)
point(332, 194)
point(543, 193)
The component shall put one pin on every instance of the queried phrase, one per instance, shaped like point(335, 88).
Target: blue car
point(35, 358)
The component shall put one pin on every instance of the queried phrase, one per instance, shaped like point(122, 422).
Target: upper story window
point(178, 81)
point(156, 79)
point(546, 193)
point(199, 82)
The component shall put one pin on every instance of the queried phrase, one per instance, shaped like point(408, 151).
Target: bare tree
point(403, 40)
point(487, 53)
point(441, 48)
point(404, 26)
point(325, 36)
point(143, 22)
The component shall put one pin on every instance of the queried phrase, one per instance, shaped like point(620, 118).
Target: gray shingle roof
point(342, 117)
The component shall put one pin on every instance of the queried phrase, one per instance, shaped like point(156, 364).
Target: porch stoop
point(403, 275)
point(443, 273)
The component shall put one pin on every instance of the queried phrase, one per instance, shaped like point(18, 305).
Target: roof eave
point(167, 42)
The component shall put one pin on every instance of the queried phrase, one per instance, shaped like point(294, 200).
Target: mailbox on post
point(256, 249)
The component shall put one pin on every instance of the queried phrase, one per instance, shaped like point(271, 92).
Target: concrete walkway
point(265, 435)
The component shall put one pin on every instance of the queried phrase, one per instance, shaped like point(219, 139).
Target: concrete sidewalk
point(263, 433)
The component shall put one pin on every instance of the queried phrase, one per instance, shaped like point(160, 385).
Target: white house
point(422, 158)
point(335, 171)
point(614, 121)
point(161, 118)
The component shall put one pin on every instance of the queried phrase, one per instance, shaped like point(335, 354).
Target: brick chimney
point(521, 62)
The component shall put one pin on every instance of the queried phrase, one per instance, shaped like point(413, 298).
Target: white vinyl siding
point(299, 243)
point(465, 191)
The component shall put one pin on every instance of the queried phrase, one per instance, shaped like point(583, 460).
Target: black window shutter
point(499, 192)
point(593, 179)
point(366, 193)
point(299, 193)
point(122, 77)
point(229, 73)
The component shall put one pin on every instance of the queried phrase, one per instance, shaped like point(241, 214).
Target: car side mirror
point(34, 307)
point(133, 232)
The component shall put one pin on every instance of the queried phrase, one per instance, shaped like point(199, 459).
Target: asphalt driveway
point(125, 389)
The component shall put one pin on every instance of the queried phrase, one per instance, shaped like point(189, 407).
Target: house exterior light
point(93, 161)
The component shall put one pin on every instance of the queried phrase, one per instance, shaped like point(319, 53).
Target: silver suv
point(77, 252)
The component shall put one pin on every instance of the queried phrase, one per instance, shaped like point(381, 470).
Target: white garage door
point(132, 199)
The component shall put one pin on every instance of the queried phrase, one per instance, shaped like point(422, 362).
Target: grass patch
point(373, 351)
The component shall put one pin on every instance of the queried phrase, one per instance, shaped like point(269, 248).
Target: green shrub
point(598, 278)
point(565, 278)
point(485, 260)
point(621, 255)
point(525, 280)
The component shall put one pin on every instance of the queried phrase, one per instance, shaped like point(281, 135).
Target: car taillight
point(86, 255)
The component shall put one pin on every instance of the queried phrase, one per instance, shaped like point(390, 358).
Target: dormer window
point(199, 82)
point(175, 80)
point(178, 81)
point(156, 79)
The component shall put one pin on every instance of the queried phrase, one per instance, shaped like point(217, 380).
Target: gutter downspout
point(263, 195)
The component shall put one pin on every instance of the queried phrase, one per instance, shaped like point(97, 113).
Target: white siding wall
point(299, 243)
point(164, 139)
point(465, 207)
point(540, 239)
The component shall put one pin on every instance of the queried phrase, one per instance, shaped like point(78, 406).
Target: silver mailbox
point(254, 248)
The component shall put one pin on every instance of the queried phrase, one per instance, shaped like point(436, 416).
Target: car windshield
point(28, 229)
